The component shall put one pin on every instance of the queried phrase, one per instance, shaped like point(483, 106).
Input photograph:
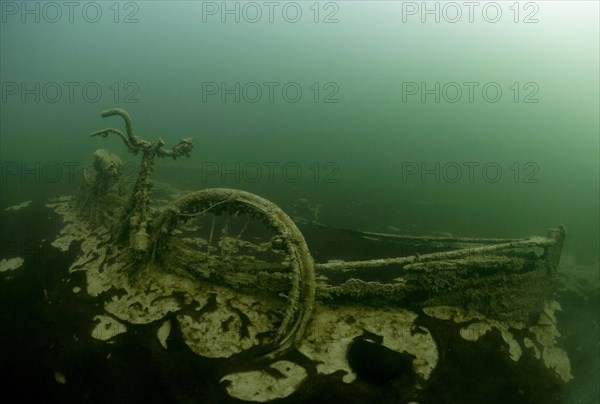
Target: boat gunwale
point(554, 238)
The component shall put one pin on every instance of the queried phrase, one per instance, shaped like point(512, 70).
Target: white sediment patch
point(474, 331)
point(107, 328)
point(260, 386)
point(163, 333)
point(543, 343)
point(11, 264)
point(333, 328)
point(222, 332)
point(19, 206)
point(60, 378)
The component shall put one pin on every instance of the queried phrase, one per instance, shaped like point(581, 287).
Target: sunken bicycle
point(147, 234)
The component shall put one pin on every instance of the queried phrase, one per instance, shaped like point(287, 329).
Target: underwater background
point(421, 118)
point(454, 157)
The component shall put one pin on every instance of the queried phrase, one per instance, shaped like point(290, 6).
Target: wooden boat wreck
point(507, 279)
point(502, 278)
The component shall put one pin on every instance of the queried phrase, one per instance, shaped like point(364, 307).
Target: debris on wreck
point(11, 264)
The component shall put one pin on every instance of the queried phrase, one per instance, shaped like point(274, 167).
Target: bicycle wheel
point(286, 244)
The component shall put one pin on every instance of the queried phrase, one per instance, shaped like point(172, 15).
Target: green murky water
point(421, 118)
